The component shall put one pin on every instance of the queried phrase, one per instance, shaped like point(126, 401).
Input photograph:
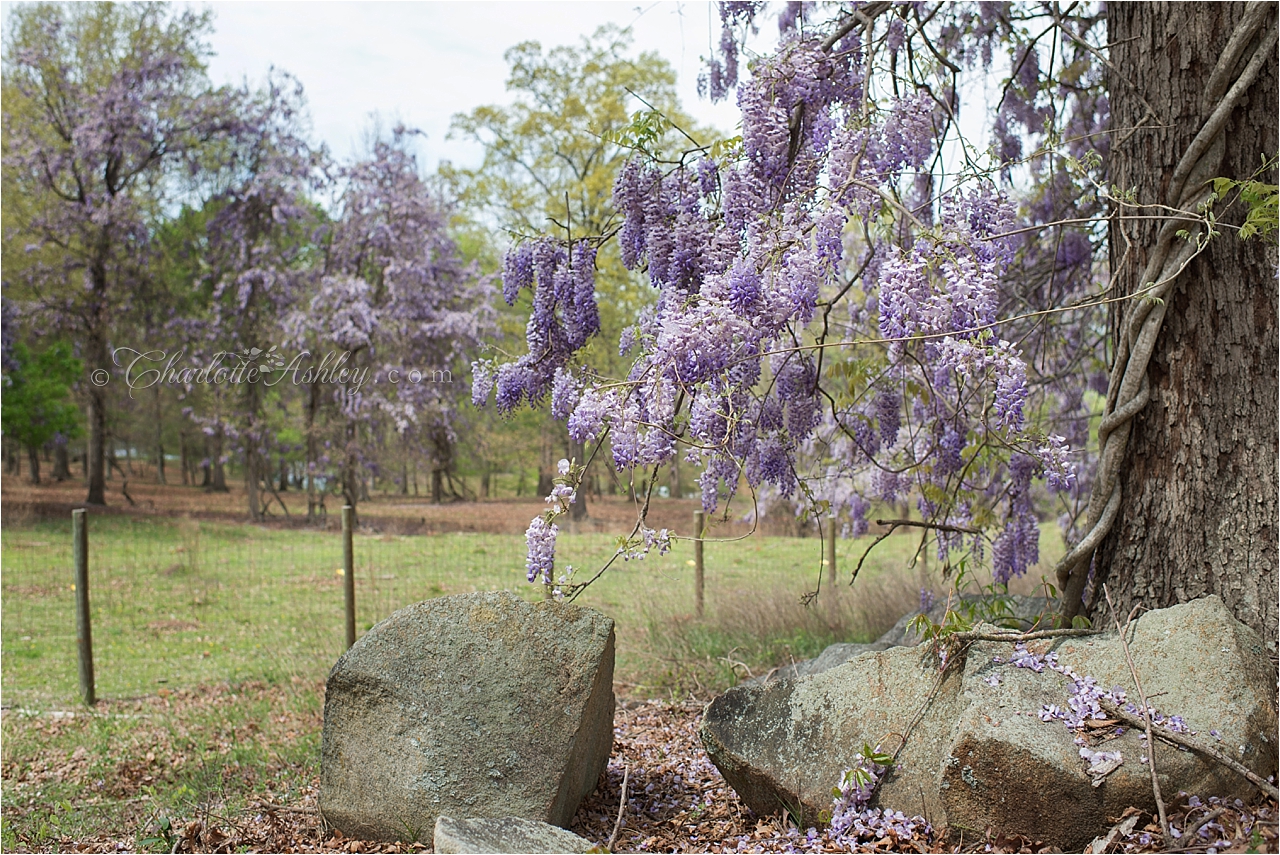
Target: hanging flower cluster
point(825, 329)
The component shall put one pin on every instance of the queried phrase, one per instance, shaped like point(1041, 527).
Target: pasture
point(212, 640)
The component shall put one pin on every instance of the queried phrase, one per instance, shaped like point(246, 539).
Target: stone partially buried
point(980, 757)
point(477, 705)
point(505, 835)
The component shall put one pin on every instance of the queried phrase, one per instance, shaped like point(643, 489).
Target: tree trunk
point(33, 463)
point(159, 437)
point(351, 483)
point(252, 474)
point(96, 451)
point(312, 463)
point(61, 462)
point(547, 460)
point(218, 482)
point(1199, 507)
point(255, 463)
point(578, 510)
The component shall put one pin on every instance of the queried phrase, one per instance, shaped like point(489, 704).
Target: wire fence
point(178, 604)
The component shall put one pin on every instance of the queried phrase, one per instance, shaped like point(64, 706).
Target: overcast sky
point(422, 62)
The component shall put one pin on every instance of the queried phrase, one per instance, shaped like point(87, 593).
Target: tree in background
point(550, 161)
point(36, 403)
point(261, 256)
point(106, 110)
point(394, 292)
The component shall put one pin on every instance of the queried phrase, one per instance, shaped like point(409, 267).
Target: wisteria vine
point(841, 318)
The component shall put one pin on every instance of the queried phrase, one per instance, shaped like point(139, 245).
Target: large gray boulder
point(505, 835)
point(980, 756)
point(477, 705)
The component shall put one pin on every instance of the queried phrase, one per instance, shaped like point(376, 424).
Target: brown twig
point(1146, 719)
point(959, 529)
point(622, 806)
point(1015, 637)
point(1186, 742)
point(1191, 830)
point(893, 526)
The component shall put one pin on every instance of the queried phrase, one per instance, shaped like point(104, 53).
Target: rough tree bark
point(1199, 482)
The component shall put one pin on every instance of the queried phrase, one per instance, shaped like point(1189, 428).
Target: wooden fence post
point(84, 634)
point(699, 519)
point(831, 550)
point(349, 571)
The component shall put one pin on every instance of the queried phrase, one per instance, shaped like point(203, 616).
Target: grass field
point(183, 602)
point(212, 642)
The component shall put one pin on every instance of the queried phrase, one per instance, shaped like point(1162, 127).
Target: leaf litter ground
point(235, 768)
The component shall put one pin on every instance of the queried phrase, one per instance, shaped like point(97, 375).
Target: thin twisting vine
point(1181, 238)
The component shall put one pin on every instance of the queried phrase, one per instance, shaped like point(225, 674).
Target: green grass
point(134, 774)
point(212, 642)
point(184, 603)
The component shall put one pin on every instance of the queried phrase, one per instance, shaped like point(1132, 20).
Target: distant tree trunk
point(1199, 502)
point(676, 491)
point(255, 464)
point(351, 483)
point(311, 451)
point(96, 360)
point(284, 474)
point(61, 463)
point(159, 436)
point(547, 460)
point(218, 483)
point(252, 475)
point(485, 475)
point(578, 510)
point(184, 458)
point(33, 463)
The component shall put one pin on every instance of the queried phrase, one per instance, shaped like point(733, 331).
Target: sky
point(422, 62)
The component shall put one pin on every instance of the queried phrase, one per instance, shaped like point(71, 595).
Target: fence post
point(831, 550)
point(699, 580)
point(84, 635)
point(349, 572)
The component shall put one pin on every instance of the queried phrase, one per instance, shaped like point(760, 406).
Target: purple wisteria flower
point(853, 823)
point(540, 543)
